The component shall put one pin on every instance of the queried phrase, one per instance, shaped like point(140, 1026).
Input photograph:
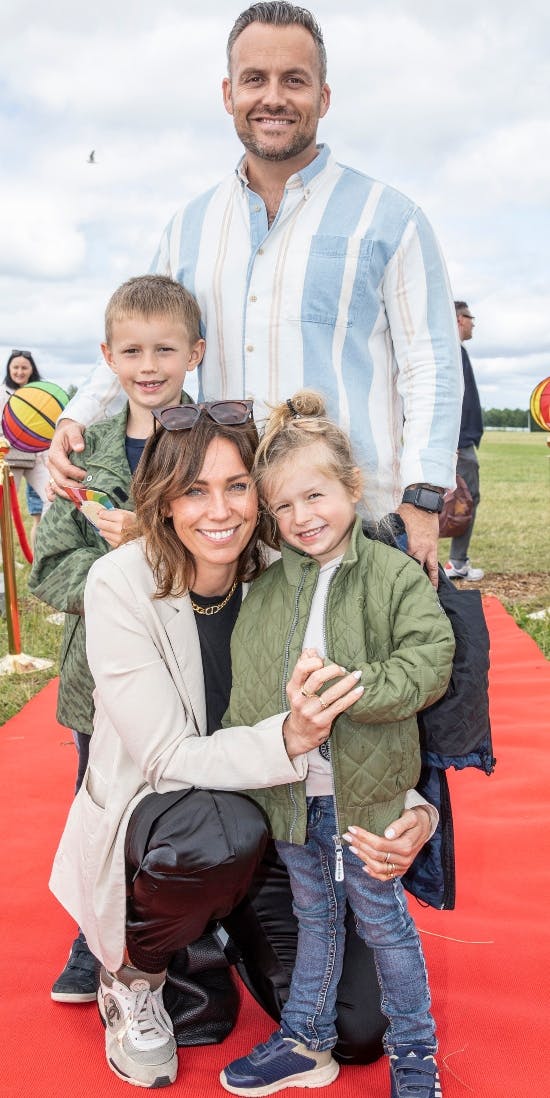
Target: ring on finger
point(392, 869)
point(306, 694)
point(387, 858)
point(324, 704)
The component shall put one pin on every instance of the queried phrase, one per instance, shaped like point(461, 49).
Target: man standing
point(310, 273)
point(467, 466)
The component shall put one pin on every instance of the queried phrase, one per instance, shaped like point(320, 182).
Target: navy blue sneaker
point(79, 981)
point(281, 1062)
point(414, 1076)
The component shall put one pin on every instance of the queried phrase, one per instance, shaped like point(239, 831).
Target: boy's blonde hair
point(295, 424)
point(152, 296)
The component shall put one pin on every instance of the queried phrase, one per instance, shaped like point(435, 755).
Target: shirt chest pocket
point(335, 282)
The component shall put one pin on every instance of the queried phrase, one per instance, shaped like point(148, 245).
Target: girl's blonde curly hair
point(294, 425)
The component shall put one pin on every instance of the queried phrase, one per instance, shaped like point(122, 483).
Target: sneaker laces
point(146, 1024)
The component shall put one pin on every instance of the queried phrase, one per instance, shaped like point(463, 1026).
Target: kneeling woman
point(148, 856)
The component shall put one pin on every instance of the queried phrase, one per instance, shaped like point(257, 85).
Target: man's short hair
point(153, 295)
point(460, 306)
point(277, 13)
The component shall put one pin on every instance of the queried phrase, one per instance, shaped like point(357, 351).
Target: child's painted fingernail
point(357, 674)
point(359, 690)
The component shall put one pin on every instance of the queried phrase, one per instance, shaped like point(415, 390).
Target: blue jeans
point(382, 920)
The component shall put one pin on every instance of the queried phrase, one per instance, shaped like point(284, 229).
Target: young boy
point(152, 340)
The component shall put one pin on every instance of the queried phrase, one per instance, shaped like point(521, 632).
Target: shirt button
point(256, 209)
point(249, 347)
point(260, 251)
point(253, 297)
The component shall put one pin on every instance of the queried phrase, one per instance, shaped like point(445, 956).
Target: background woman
point(20, 370)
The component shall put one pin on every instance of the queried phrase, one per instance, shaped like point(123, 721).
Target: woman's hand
point(391, 854)
point(311, 714)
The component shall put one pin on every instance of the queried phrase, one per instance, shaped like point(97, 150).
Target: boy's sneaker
point(281, 1062)
point(414, 1076)
point(79, 980)
point(139, 1039)
point(463, 571)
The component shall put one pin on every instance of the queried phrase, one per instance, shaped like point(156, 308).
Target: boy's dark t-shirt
point(134, 449)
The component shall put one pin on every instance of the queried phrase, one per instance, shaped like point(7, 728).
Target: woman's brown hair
point(170, 464)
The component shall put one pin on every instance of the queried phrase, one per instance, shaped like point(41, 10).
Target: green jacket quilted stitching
point(383, 617)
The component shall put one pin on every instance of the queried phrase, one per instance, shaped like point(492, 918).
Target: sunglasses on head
point(20, 354)
point(227, 413)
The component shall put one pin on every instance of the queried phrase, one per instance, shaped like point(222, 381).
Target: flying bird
point(91, 158)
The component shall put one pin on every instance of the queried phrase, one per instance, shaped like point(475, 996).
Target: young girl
point(369, 607)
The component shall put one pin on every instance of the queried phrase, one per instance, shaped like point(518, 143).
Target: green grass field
point(511, 536)
point(512, 531)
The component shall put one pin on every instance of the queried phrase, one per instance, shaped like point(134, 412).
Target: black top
point(471, 423)
point(215, 636)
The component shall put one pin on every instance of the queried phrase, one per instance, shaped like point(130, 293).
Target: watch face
point(429, 501)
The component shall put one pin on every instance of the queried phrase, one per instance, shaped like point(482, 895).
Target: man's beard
point(297, 144)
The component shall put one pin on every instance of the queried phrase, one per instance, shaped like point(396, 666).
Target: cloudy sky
point(449, 102)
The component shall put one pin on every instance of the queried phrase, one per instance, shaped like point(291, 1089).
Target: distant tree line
point(505, 417)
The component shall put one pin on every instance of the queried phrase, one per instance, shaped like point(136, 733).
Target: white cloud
point(41, 237)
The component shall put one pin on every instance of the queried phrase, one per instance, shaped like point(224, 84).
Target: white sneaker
point(463, 571)
point(139, 1038)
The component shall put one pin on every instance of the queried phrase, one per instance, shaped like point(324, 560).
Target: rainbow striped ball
point(540, 404)
point(31, 414)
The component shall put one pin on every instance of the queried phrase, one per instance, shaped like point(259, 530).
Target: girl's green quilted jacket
point(382, 616)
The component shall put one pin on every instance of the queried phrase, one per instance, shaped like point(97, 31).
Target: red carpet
point(488, 960)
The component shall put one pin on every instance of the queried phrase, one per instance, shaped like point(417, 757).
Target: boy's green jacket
point(383, 617)
point(66, 547)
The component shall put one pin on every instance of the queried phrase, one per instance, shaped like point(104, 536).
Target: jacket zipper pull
point(339, 872)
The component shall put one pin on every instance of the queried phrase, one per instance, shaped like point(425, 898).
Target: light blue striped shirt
point(347, 293)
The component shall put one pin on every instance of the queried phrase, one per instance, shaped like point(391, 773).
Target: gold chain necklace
point(209, 610)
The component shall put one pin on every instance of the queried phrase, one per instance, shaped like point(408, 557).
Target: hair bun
point(306, 402)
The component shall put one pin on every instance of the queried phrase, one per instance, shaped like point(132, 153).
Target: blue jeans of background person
point(383, 921)
point(34, 503)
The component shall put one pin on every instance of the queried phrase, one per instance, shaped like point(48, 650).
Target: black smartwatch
point(427, 499)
